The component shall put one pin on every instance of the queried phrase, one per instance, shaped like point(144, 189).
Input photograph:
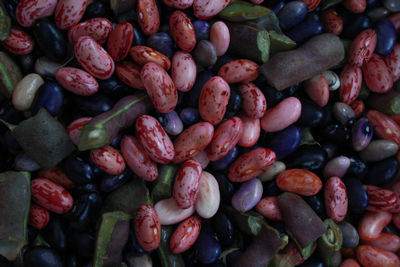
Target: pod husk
point(263, 248)
point(111, 239)
point(249, 42)
point(5, 23)
point(121, 6)
point(242, 11)
point(10, 75)
point(247, 222)
point(44, 139)
point(15, 200)
point(330, 242)
point(301, 222)
point(167, 258)
point(164, 183)
point(128, 198)
point(313, 57)
point(386, 103)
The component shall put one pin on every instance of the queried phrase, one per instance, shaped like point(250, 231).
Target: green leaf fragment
point(242, 11)
point(164, 183)
point(248, 223)
point(5, 23)
point(167, 258)
point(15, 199)
point(280, 42)
point(10, 75)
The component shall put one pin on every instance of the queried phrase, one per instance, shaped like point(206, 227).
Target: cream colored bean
point(25, 91)
point(272, 172)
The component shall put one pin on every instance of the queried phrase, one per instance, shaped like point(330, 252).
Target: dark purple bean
point(357, 169)
point(278, 7)
point(39, 256)
point(356, 24)
point(222, 164)
point(95, 10)
point(225, 187)
point(54, 233)
point(77, 170)
point(361, 134)
point(382, 172)
point(234, 104)
point(205, 54)
point(285, 142)
point(139, 38)
point(49, 96)
point(311, 114)
point(191, 99)
point(272, 95)
point(25, 163)
point(336, 132)
point(27, 63)
point(161, 42)
point(224, 229)
point(304, 31)
point(83, 244)
point(207, 246)
point(316, 204)
point(94, 105)
point(292, 14)
point(114, 88)
point(112, 182)
point(357, 195)
point(190, 116)
point(133, 246)
point(310, 157)
point(386, 37)
point(202, 29)
point(171, 122)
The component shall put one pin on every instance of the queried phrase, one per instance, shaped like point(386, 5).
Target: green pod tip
point(93, 136)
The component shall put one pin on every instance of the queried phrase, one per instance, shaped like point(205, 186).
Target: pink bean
point(38, 217)
point(214, 98)
point(186, 185)
point(93, 58)
point(372, 223)
point(349, 263)
point(251, 164)
point(254, 103)
point(356, 6)
point(96, 28)
point(29, 10)
point(183, 63)
point(375, 257)
point(202, 158)
point(155, 141)
point(182, 31)
point(108, 159)
point(377, 75)
point(206, 9)
point(317, 89)
point(393, 62)
point(185, 235)
point(241, 70)
point(74, 128)
point(178, 4)
point(225, 138)
point(336, 202)
point(380, 199)
point(137, 159)
point(129, 73)
point(147, 227)
point(387, 241)
point(362, 48)
point(220, 37)
point(169, 213)
point(77, 81)
point(160, 87)
point(192, 140)
point(69, 13)
point(281, 116)
point(268, 207)
point(251, 131)
point(299, 181)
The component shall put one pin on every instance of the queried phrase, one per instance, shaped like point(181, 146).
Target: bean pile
point(217, 133)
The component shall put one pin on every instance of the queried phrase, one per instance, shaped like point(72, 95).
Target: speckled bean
point(69, 12)
point(77, 81)
point(350, 83)
point(185, 235)
point(206, 9)
point(96, 28)
point(143, 54)
point(186, 185)
point(18, 42)
point(147, 227)
point(372, 223)
point(29, 10)
point(148, 16)
point(169, 213)
point(183, 63)
point(299, 181)
point(336, 202)
point(240, 70)
point(317, 88)
point(254, 103)
point(377, 75)
point(182, 31)
point(268, 207)
point(251, 131)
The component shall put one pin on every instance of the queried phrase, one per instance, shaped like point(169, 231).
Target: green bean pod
point(247, 222)
point(167, 258)
point(164, 183)
point(330, 242)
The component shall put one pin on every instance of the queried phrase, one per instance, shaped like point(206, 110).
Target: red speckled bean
point(254, 103)
point(178, 4)
point(96, 28)
point(58, 176)
point(120, 41)
point(251, 164)
point(137, 159)
point(362, 48)
point(18, 42)
point(207, 203)
point(129, 73)
point(193, 140)
point(372, 223)
point(29, 10)
point(77, 81)
point(268, 207)
point(387, 241)
point(336, 202)
point(332, 22)
point(38, 217)
point(377, 75)
point(356, 6)
point(350, 84)
point(380, 199)
point(206, 9)
point(154, 139)
point(299, 181)
point(349, 263)
point(143, 54)
point(214, 98)
point(317, 89)
point(375, 257)
point(202, 158)
point(74, 128)
point(396, 220)
point(169, 213)
point(182, 31)
point(358, 106)
point(147, 227)
point(148, 16)
point(251, 131)
point(186, 185)
point(108, 159)
point(241, 70)
point(220, 37)
point(311, 4)
point(93, 58)
point(225, 138)
point(282, 115)
point(160, 87)
point(185, 235)
point(69, 13)
point(384, 127)
point(183, 63)
point(51, 196)
point(393, 62)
